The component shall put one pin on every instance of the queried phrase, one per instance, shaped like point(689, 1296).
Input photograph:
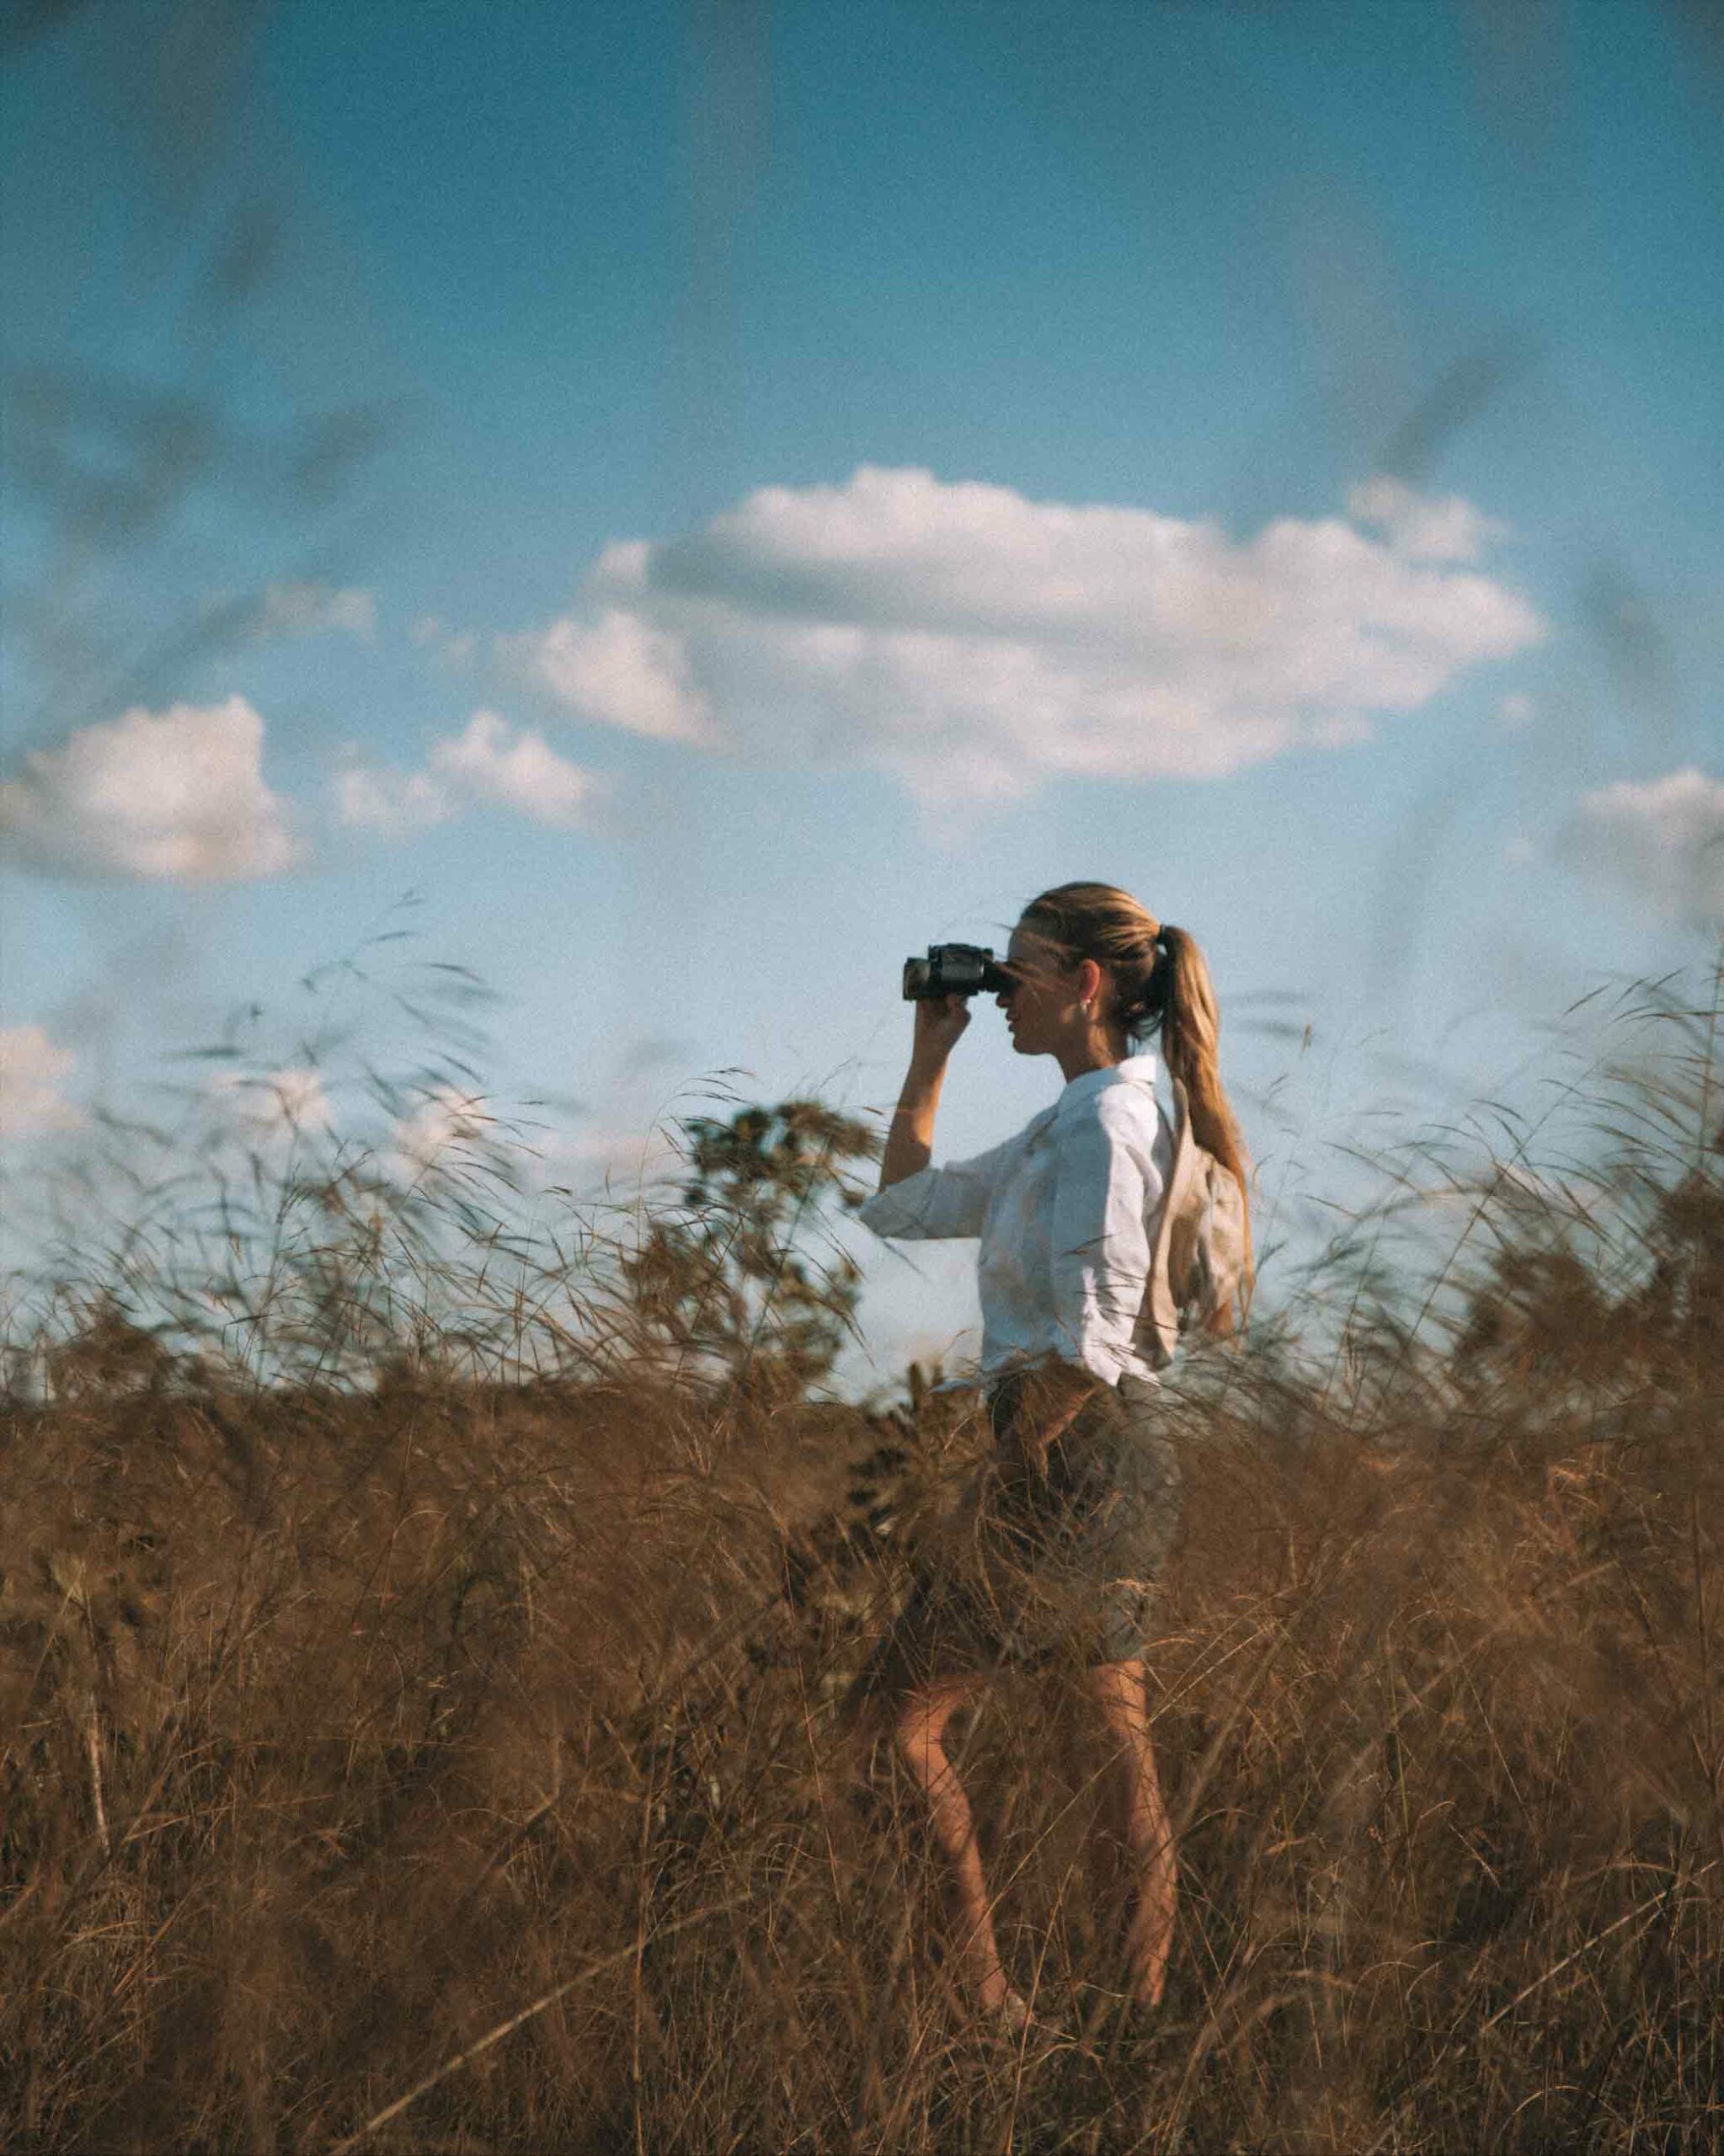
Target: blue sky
point(821, 475)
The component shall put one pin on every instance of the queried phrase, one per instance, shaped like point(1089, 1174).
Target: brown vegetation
point(418, 1731)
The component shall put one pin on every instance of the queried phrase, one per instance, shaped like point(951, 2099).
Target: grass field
point(402, 1757)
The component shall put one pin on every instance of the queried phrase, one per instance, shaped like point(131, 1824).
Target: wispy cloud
point(1662, 840)
point(453, 647)
point(974, 643)
point(172, 796)
point(1516, 711)
point(310, 609)
point(621, 1139)
point(446, 1125)
point(489, 761)
point(31, 1068)
point(615, 1161)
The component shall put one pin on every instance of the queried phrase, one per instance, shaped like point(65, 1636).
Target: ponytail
point(1163, 986)
point(1191, 1042)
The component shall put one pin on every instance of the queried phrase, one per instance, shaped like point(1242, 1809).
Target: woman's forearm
point(909, 1143)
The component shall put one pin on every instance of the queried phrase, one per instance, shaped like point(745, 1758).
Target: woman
point(1062, 1533)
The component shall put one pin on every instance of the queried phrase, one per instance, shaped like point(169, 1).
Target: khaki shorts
point(1045, 1566)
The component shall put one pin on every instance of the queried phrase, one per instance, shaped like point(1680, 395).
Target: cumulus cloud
point(394, 804)
point(1420, 527)
point(300, 609)
point(1661, 838)
point(31, 1068)
point(616, 667)
point(172, 796)
point(488, 762)
point(971, 643)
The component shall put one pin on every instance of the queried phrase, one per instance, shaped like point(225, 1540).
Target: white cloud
point(300, 609)
point(623, 1136)
point(393, 803)
point(269, 1104)
point(488, 762)
point(176, 796)
point(618, 668)
point(447, 1119)
point(1662, 840)
point(620, 1162)
point(521, 772)
point(1420, 528)
point(31, 1068)
point(973, 643)
point(454, 647)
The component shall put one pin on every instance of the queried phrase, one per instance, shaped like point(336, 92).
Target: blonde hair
point(1163, 988)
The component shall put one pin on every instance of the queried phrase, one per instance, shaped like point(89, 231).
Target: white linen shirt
point(1067, 1212)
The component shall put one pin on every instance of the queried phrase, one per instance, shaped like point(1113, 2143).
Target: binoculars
point(953, 969)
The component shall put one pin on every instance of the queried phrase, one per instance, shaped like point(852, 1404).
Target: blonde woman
point(1053, 1563)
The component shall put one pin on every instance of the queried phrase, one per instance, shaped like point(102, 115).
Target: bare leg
point(918, 1732)
point(1119, 1688)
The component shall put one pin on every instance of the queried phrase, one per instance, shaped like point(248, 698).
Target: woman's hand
point(939, 1022)
point(909, 1141)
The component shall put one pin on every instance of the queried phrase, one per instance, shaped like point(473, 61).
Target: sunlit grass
point(428, 1610)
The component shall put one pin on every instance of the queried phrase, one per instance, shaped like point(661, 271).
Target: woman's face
point(1044, 1005)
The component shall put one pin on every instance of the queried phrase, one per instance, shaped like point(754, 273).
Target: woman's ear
point(1089, 981)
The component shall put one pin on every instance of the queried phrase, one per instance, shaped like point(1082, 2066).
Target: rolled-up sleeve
point(936, 1202)
point(1107, 1190)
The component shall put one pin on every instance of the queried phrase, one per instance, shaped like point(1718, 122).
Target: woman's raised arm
point(940, 1021)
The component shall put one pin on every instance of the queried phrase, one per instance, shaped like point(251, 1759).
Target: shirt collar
point(1134, 1071)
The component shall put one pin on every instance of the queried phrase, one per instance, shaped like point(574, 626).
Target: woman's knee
point(919, 1720)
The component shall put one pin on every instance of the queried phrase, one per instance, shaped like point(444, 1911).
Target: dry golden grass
point(425, 1762)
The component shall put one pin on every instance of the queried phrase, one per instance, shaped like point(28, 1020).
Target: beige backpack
point(1200, 1247)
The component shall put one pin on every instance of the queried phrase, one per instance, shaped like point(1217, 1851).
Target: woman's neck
point(1089, 1055)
